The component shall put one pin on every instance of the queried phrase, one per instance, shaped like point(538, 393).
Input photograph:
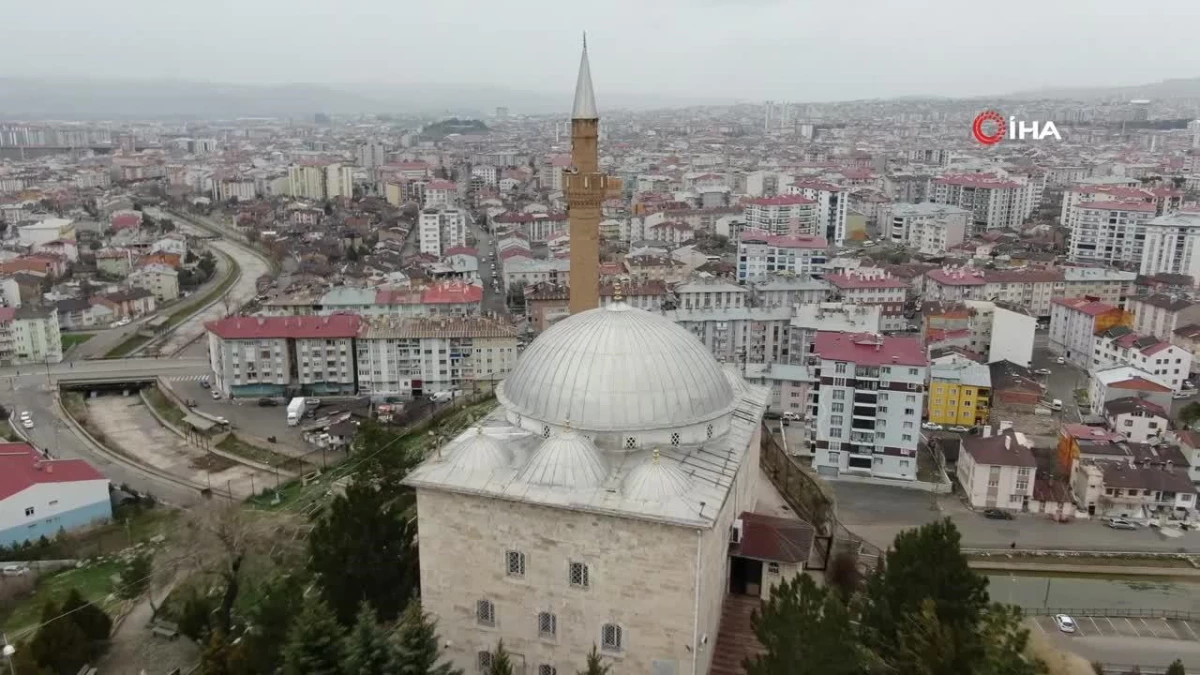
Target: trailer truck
point(295, 411)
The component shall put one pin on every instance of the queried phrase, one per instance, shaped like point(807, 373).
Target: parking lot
point(1099, 626)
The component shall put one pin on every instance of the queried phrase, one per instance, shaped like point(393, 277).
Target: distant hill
point(1166, 89)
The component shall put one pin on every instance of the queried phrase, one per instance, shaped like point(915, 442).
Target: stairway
point(735, 640)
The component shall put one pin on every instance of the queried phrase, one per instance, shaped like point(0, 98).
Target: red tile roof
point(852, 280)
point(774, 539)
point(869, 349)
point(22, 467)
point(461, 250)
point(1089, 307)
point(780, 241)
point(782, 200)
point(1139, 384)
point(957, 277)
point(268, 327)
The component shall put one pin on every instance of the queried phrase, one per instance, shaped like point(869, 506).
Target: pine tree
point(594, 666)
point(90, 618)
point(501, 664)
point(417, 645)
point(135, 577)
point(60, 644)
point(314, 643)
point(366, 646)
point(1176, 668)
point(805, 630)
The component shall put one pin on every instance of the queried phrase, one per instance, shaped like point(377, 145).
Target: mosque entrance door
point(745, 576)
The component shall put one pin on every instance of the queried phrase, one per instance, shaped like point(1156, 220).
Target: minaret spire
point(585, 96)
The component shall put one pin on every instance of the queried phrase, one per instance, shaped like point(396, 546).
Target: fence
point(800, 489)
point(1115, 612)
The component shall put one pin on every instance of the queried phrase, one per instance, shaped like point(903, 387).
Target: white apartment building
point(441, 193)
point(832, 206)
point(254, 356)
point(746, 335)
point(1137, 419)
point(413, 356)
point(710, 294)
point(994, 202)
point(1162, 361)
point(159, 279)
point(762, 255)
point(930, 228)
point(1110, 232)
point(873, 286)
point(789, 291)
point(1114, 189)
point(1161, 315)
point(320, 181)
point(440, 229)
point(32, 334)
point(997, 471)
point(1074, 324)
point(830, 317)
point(1109, 285)
point(785, 215)
point(868, 404)
point(1001, 333)
point(1173, 245)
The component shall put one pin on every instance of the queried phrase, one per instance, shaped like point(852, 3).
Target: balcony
point(872, 373)
point(865, 398)
point(862, 425)
point(868, 413)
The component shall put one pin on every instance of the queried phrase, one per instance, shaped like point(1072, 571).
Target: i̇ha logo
point(990, 128)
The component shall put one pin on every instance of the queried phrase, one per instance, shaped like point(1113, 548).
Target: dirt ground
point(135, 651)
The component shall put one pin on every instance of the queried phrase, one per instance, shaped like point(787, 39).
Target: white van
point(1057, 404)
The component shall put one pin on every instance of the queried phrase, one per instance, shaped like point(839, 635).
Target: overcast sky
point(802, 50)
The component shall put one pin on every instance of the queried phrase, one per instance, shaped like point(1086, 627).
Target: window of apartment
point(835, 432)
point(1015, 499)
point(910, 399)
point(547, 625)
point(907, 437)
point(908, 425)
point(835, 419)
point(839, 368)
point(515, 562)
point(834, 457)
point(484, 661)
point(839, 394)
point(610, 637)
point(29, 510)
point(838, 407)
point(910, 411)
point(547, 669)
point(485, 613)
point(578, 575)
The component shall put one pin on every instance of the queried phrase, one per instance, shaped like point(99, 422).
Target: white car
point(216, 395)
point(1065, 623)
point(27, 423)
point(1182, 394)
point(1042, 371)
point(930, 426)
point(958, 429)
point(1060, 360)
point(24, 415)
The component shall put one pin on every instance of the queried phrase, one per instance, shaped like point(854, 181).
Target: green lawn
point(95, 581)
point(72, 339)
point(165, 406)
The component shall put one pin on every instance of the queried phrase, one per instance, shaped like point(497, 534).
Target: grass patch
point(236, 446)
point(7, 433)
point(70, 340)
point(1088, 560)
point(126, 346)
point(95, 582)
point(164, 406)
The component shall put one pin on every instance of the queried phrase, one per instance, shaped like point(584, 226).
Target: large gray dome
point(617, 369)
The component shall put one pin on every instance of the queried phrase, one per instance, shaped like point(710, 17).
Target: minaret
point(586, 190)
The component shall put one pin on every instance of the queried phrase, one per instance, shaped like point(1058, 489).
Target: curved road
point(31, 388)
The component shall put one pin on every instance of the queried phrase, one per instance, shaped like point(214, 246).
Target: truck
point(295, 411)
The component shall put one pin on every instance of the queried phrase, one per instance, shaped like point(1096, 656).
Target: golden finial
point(656, 456)
point(617, 297)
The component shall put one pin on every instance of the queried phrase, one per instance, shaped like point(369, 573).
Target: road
point(493, 301)
point(243, 290)
point(31, 389)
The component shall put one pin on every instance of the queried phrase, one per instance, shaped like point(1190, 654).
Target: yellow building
point(960, 394)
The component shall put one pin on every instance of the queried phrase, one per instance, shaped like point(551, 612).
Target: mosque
point(596, 504)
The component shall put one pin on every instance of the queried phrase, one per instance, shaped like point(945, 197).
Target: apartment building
point(449, 298)
point(789, 291)
point(1110, 232)
point(1075, 323)
point(1112, 286)
point(830, 317)
point(1173, 245)
point(739, 335)
point(440, 229)
point(762, 255)
point(1137, 419)
point(1110, 384)
point(866, 418)
point(960, 394)
point(254, 356)
point(994, 202)
point(29, 335)
point(785, 215)
point(832, 203)
point(1162, 314)
point(872, 286)
point(1164, 200)
point(929, 228)
point(1162, 361)
point(161, 280)
point(1001, 333)
point(710, 294)
point(441, 194)
point(997, 471)
point(408, 357)
point(320, 181)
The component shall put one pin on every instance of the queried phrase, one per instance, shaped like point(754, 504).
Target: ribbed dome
point(479, 452)
point(565, 460)
point(617, 369)
point(656, 481)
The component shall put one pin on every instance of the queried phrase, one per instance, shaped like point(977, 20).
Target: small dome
point(656, 481)
point(479, 452)
point(568, 460)
point(617, 368)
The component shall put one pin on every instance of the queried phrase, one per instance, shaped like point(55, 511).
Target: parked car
point(997, 514)
point(266, 402)
point(1056, 404)
point(216, 395)
point(958, 429)
point(791, 416)
point(930, 426)
point(27, 423)
point(1065, 623)
point(1042, 371)
point(1060, 360)
point(1121, 524)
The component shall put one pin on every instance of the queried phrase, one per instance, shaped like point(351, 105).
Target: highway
point(31, 388)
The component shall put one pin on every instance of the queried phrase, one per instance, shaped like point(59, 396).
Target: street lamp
point(8, 651)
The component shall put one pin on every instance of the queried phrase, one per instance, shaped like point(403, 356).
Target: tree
point(60, 644)
point(195, 616)
point(364, 549)
point(806, 630)
point(314, 643)
point(1005, 643)
point(417, 651)
point(925, 572)
point(501, 663)
point(1176, 668)
point(222, 657)
point(367, 649)
point(1190, 414)
point(92, 620)
point(269, 617)
point(843, 574)
point(135, 576)
point(24, 662)
point(594, 666)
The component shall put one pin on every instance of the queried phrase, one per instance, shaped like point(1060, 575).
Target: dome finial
point(656, 456)
point(617, 295)
point(567, 424)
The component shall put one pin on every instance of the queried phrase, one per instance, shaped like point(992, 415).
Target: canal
point(1075, 593)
